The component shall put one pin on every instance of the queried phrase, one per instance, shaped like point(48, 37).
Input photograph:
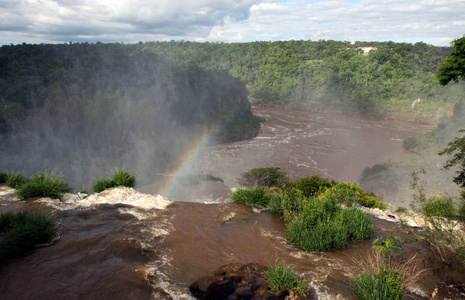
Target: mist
point(392, 180)
point(95, 108)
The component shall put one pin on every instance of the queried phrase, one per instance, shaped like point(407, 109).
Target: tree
point(457, 148)
point(453, 67)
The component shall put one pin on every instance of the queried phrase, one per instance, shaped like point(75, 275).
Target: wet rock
point(450, 290)
point(239, 281)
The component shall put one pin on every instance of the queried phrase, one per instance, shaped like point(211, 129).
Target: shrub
point(3, 176)
point(347, 193)
point(313, 185)
point(282, 277)
point(264, 177)
point(438, 206)
point(16, 180)
point(22, 231)
point(386, 284)
point(44, 184)
point(254, 196)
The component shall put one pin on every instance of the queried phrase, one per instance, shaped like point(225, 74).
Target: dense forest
point(331, 75)
point(85, 109)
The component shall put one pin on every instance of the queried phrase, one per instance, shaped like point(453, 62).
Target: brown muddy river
point(127, 245)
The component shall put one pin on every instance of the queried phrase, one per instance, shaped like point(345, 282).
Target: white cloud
point(432, 21)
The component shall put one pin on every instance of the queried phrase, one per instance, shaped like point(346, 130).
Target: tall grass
point(323, 225)
point(282, 277)
point(254, 196)
point(120, 177)
point(3, 176)
point(21, 231)
point(45, 184)
point(16, 180)
point(384, 274)
point(385, 285)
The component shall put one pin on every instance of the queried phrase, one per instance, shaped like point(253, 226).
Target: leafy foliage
point(313, 185)
point(348, 193)
point(453, 67)
point(21, 231)
point(457, 149)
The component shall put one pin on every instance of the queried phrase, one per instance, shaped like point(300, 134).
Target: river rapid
point(128, 244)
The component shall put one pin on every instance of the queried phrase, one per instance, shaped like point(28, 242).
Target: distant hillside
point(331, 75)
point(86, 109)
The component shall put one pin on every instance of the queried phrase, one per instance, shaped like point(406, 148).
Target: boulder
point(239, 281)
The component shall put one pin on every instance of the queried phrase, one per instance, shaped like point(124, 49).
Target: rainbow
point(198, 144)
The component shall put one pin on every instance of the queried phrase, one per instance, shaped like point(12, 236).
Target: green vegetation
point(348, 193)
point(316, 223)
point(385, 285)
point(23, 230)
point(282, 277)
point(313, 185)
point(3, 176)
point(385, 274)
point(16, 180)
point(457, 149)
point(256, 196)
point(45, 184)
point(120, 177)
point(323, 225)
point(264, 177)
point(330, 75)
point(453, 67)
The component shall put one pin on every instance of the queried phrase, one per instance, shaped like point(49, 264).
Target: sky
point(435, 22)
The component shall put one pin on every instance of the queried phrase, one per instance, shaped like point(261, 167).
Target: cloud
point(230, 20)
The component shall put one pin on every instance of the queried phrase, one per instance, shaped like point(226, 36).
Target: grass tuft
point(21, 231)
point(16, 180)
point(44, 184)
point(118, 178)
point(282, 277)
point(3, 176)
point(386, 284)
point(254, 196)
